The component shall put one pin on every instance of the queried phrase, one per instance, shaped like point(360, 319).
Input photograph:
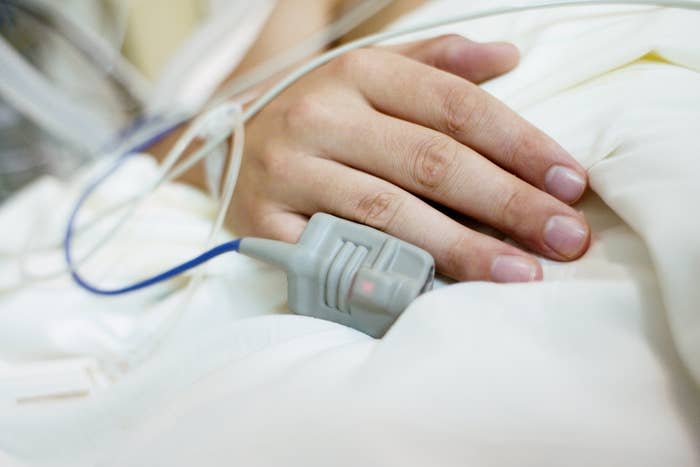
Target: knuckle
point(462, 111)
point(379, 209)
point(275, 163)
point(451, 39)
point(263, 220)
point(244, 215)
point(260, 217)
point(434, 160)
point(510, 210)
point(520, 149)
point(457, 257)
point(255, 215)
point(436, 49)
point(350, 62)
point(304, 112)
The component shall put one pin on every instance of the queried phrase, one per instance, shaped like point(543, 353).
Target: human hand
point(376, 133)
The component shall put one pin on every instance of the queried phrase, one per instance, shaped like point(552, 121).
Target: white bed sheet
point(598, 365)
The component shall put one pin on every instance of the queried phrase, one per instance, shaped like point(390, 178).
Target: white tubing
point(270, 68)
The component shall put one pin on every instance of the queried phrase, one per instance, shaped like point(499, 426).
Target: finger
point(282, 225)
point(434, 166)
point(459, 252)
point(463, 111)
point(474, 61)
point(267, 220)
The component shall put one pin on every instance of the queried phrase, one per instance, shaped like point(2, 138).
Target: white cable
point(384, 36)
point(319, 40)
point(317, 62)
point(259, 74)
point(234, 114)
point(216, 121)
point(321, 60)
point(234, 168)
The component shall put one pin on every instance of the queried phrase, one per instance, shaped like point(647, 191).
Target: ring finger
point(433, 165)
point(459, 252)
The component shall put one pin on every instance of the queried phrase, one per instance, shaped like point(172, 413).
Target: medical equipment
point(126, 79)
point(39, 43)
point(59, 123)
point(348, 273)
point(350, 281)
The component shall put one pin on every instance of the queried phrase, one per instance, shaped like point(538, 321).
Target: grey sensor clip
point(348, 273)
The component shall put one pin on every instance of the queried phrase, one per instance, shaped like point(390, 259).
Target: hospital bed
point(597, 365)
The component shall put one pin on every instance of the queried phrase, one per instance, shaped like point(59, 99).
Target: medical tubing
point(218, 250)
point(231, 178)
point(133, 85)
point(68, 237)
point(164, 175)
point(133, 132)
point(317, 41)
point(277, 89)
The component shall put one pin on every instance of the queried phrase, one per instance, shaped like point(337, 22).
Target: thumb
point(474, 61)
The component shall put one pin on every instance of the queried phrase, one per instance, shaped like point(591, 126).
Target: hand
point(374, 134)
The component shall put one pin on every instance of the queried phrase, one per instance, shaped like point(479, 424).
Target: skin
point(386, 136)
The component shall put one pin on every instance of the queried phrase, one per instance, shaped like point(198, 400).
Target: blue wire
point(170, 273)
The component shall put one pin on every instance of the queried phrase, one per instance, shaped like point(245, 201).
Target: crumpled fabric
point(597, 365)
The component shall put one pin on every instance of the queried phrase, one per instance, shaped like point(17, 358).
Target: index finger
point(460, 109)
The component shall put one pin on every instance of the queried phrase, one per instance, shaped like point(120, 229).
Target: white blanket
point(599, 365)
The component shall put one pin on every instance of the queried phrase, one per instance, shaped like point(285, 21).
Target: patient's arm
point(377, 134)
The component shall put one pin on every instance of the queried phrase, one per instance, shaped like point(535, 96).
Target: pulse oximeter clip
point(348, 273)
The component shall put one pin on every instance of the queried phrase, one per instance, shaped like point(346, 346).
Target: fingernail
point(513, 269)
point(564, 183)
point(565, 235)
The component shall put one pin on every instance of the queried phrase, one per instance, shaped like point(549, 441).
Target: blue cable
point(231, 246)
